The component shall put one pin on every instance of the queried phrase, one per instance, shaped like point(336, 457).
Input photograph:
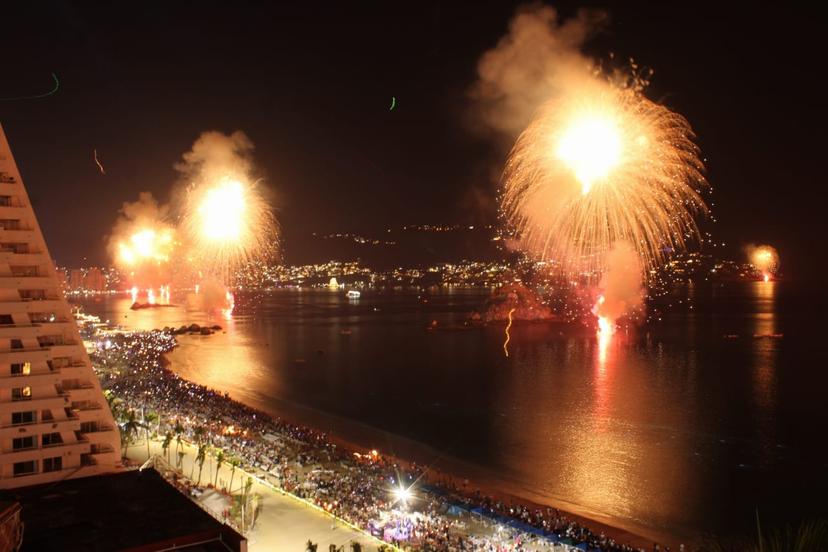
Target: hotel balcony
point(10, 431)
point(49, 402)
point(22, 258)
point(11, 281)
point(51, 304)
point(102, 434)
point(83, 392)
point(60, 449)
point(34, 379)
point(16, 235)
point(38, 329)
point(41, 353)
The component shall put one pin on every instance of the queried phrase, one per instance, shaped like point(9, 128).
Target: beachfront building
point(54, 420)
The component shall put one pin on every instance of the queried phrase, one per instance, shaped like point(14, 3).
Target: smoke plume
point(539, 58)
point(621, 285)
point(142, 241)
point(217, 155)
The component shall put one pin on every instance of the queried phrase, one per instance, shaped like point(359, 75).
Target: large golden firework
point(602, 164)
point(227, 222)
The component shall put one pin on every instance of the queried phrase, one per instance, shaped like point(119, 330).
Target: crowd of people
point(359, 488)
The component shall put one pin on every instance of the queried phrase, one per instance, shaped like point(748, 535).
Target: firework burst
point(765, 259)
point(602, 164)
point(227, 223)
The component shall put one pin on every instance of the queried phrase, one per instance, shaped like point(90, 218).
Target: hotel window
point(16, 343)
point(52, 464)
point(21, 368)
point(24, 270)
point(5, 201)
point(89, 427)
point(9, 224)
point(23, 443)
point(6, 320)
point(28, 417)
point(22, 393)
point(51, 439)
point(25, 468)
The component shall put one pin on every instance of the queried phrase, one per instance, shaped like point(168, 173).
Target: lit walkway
point(284, 523)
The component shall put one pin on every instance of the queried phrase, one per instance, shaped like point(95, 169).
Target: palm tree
point(149, 419)
point(178, 452)
point(198, 434)
point(234, 463)
point(219, 462)
point(178, 429)
point(129, 427)
point(165, 446)
point(115, 404)
point(200, 457)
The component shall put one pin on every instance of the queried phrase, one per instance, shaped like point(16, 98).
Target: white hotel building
point(54, 420)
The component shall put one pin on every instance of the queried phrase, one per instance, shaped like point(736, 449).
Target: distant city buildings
point(88, 280)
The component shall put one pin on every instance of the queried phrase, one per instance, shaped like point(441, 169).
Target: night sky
point(311, 84)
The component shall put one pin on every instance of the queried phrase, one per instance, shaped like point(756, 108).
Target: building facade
point(54, 420)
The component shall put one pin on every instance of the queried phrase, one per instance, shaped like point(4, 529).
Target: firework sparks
point(227, 312)
point(146, 245)
point(602, 164)
point(508, 335)
point(225, 218)
point(765, 259)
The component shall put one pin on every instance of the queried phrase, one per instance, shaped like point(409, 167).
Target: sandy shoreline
point(358, 437)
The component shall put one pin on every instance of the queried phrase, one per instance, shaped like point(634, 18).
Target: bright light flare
point(227, 312)
point(222, 211)
point(591, 148)
point(402, 495)
point(605, 326)
point(146, 245)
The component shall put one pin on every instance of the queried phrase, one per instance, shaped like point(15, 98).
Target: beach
point(338, 474)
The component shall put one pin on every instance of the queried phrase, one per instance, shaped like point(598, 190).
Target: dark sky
point(311, 84)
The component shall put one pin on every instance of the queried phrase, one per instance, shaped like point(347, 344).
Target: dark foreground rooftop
point(130, 511)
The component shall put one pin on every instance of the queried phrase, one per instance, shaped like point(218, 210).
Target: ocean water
point(669, 428)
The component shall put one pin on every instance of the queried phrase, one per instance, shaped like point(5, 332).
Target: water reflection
point(654, 429)
point(765, 350)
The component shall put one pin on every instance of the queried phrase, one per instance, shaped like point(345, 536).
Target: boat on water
point(353, 294)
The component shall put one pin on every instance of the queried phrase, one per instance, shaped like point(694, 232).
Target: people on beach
point(349, 485)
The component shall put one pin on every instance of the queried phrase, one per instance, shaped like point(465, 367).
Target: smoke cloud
point(217, 155)
point(621, 284)
point(142, 241)
point(539, 58)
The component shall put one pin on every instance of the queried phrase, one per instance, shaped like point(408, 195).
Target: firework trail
point(508, 336)
point(37, 96)
point(97, 162)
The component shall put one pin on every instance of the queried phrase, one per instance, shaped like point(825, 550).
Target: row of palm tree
point(130, 424)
